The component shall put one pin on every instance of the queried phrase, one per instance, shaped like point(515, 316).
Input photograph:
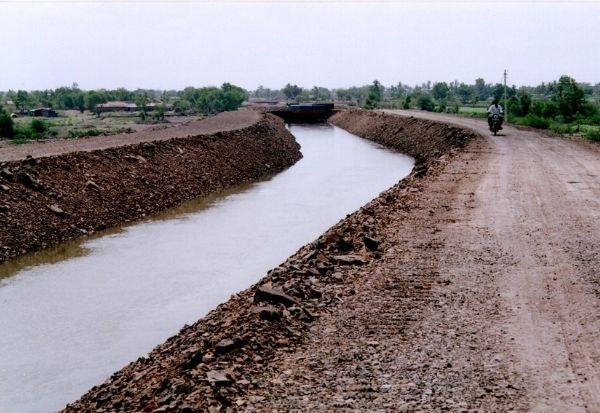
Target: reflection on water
point(78, 248)
point(70, 249)
point(67, 324)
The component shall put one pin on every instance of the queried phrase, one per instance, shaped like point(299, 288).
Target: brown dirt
point(223, 122)
point(470, 286)
point(85, 186)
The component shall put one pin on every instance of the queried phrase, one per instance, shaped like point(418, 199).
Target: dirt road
point(537, 202)
point(487, 300)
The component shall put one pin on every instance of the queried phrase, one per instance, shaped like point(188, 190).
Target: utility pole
point(505, 98)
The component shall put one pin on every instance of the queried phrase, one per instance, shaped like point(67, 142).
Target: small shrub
point(424, 102)
point(593, 135)
point(561, 128)
point(7, 127)
point(38, 126)
point(536, 121)
point(19, 139)
point(594, 120)
point(80, 133)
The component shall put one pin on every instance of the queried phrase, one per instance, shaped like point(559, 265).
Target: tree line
point(204, 100)
point(564, 105)
point(191, 100)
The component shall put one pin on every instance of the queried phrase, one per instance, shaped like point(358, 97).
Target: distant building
point(116, 106)
point(120, 106)
point(45, 112)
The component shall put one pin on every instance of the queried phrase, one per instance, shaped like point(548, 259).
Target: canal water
point(71, 316)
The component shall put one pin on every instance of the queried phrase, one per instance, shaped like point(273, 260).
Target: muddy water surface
point(72, 316)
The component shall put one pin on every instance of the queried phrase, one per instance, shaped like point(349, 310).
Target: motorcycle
point(495, 122)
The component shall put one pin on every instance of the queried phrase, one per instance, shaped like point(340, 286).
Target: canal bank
point(47, 200)
point(233, 358)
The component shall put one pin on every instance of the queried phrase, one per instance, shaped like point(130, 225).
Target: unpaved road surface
point(538, 202)
point(487, 299)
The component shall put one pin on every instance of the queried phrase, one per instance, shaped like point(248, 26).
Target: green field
point(473, 111)
point(72, 123)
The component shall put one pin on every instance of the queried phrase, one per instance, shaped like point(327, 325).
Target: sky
point(156, 44)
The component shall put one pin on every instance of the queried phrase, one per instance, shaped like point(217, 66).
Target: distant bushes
point(593, 135)
point(36, 129)
point(79, 133)
point(7, 128)
point(535, 121)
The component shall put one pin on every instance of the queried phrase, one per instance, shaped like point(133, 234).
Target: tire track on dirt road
point(539, 197)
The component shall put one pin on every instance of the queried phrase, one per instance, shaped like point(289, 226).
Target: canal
point(71, 316)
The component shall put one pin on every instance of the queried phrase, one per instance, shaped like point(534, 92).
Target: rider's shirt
point(495, 110)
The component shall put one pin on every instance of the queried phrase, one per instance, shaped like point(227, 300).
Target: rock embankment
point(231, 359)
point(48, 200)
point(425, 141)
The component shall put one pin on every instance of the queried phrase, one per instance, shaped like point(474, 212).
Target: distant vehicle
point(495, 122)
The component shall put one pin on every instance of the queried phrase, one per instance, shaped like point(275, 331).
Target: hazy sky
point(174, 44)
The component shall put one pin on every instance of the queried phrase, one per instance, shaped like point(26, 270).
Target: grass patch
point(80, 133)
point(535, 121)
point(593, 134)
point(19, 140)
point(473, 111)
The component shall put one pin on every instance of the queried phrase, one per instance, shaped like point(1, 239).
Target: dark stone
point(29, 160)
point(371, 243)
point(30, 182)
point(92, 185)
point(420, 170)
point(227, 345)
point(306, 315)
point(193, 361)
point(273, 296)
point(269, 314)
point(7, 174)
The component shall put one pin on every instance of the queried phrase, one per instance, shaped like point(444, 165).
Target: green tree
point(374, 95)
point(141, 101)
point(7, 127)
point(481, 89)
point(568, 96)
point(22, 100)
point(424, 102)
point(498, 91)
point(465, 92)
point(353, 94)
point(182, 106)
point(440, 91)
point(92, 98)
point(159, 113)
point(292, 91)
point(232, 96)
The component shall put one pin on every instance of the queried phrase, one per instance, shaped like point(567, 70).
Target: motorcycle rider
point(495, 109)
